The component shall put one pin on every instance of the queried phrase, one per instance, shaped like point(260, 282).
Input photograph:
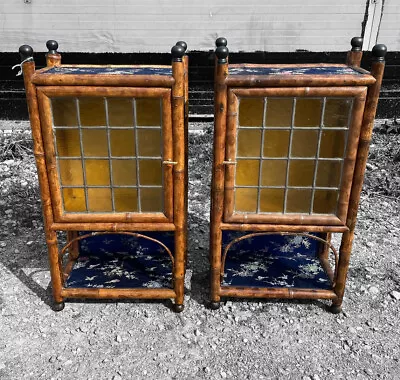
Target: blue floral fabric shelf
point(273, 261)
point(123, 261)
point(309, 70)
point(101, 70)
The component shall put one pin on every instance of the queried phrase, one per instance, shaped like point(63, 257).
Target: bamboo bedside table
point(290, 149)
point(110, 150)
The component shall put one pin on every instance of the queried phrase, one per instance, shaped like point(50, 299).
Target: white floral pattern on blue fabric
point(273, 261)
point(122, 261)
point(312, 70)
point(148, 70)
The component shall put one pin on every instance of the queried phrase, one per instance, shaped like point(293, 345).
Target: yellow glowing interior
point(337, 112)
point(251, 112)
point(308, 112)
point(276, 143)
point(279, 112)
point(271, 200)
point(111, 155)
point(284, 139)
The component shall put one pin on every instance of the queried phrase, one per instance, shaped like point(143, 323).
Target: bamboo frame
point(357, 93)
point(363, 87)
point(44, 93)
point(173, 91)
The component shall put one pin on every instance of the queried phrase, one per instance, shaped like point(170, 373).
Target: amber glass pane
point(71, 172)
point(95, 142)
point(304, 143)
point(122, 142)
point(125, 200)
point(337, 112)
point(124, 172)
point(245, 200)
point(149, 142)
point(99, 200)
point(97, 172)
point(276, 143)
point(328, 173)
point(74, 200)
point(271, 200)
point(151, 199)
point(247, 172)
point(120, 112)
point(148, 111)
point(279, 112)
point(308, 112)
point(92, 112)
point(68, 142)
point(332, 144)
point(298, 200)
point(325, 201)
point(251, 112)
point(64, 112)
point(301, 172)
point(249, 143)
point(273, 173)
point(150, 172)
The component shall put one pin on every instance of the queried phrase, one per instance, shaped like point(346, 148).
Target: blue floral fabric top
point(313, 70)
point(273, 261)
point(145, 70)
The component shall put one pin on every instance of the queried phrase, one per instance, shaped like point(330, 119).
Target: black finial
point(25, 51)
point(221, 41)
point(356, 43)
point(52, 46)
point(177, 52)
point(378, 52)
point(222, 53)
point(182, 43)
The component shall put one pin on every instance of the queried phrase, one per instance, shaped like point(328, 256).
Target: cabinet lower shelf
point(115, 261)
point(274, 261)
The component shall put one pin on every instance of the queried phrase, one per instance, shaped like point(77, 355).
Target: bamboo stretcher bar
point(104, 80)
point(160, 293)
point(112, 227)
point(254, 292)
point(299, 80)
point(281, 227)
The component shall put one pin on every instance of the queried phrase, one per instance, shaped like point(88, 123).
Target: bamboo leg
point(377, 69)
point(217, 186)
point(28, 69)
point(178, 116)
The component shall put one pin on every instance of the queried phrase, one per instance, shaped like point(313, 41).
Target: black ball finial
point(222, 53)
point(25, 51)
point(52, 46)
point(182, 43)
point(378, 52)
point(177, 52)
point(221, 41)
point(356, 43)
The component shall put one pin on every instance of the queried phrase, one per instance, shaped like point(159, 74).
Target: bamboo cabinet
point(110, 147)
point(290, 149)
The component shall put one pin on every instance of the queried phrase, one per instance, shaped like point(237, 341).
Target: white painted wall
point(155, 25)
point(388, 31)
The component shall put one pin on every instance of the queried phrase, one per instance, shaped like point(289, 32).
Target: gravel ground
point(244, 339)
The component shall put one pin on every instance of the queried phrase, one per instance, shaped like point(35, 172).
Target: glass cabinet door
point(108, 151)
point(290, 158)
